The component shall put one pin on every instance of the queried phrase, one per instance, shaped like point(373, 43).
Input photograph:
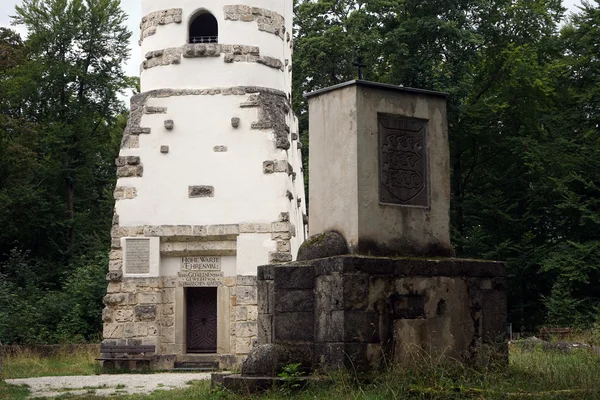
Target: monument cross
point(359, 65)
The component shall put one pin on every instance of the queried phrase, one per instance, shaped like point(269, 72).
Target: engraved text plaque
point(137, 256)
point(403, 172)
point(201, 263)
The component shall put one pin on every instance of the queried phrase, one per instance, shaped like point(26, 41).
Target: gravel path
point(106, 385)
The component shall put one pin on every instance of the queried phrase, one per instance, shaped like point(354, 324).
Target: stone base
point(355, 312)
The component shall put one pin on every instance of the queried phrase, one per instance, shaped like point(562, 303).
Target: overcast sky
point(132, 8)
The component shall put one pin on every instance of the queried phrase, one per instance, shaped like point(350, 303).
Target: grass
point(27, 364)
point(530, 374)
point(13, 392)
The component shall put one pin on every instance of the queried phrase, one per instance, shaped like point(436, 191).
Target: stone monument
point(210, 182)
point(376, 280)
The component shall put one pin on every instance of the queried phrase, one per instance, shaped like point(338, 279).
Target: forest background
point(524, 129)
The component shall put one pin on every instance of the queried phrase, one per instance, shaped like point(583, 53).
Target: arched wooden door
point(201, 319)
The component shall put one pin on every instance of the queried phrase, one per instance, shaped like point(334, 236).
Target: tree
point(60, 127)
point(523, 125)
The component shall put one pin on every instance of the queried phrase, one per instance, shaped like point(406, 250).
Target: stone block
point(241, 313)
point(149, 298)
point(168, 296)
point(265, 272)
point(168, 282)
point(164, 149)
point(293, 327)
point(294, 300)
point(152, 329)
point(283, 246)
point(246, 280)
point(130, 171)
point(245, 295)
point(279, 257)
point(169, 124)
point(361, 326)
point(255, 227)
point(220, 149)
point(246, 329)
point(124, 315)
point(243, 345)
point(265, 328)
point(107, 314)
point(112, 331)
point(113, 299)
point(252, 312)
point(145, 312)
point(281, 235)
point(168, 309)
point(201, 191)
point(168, 333)
point(235, 122)
point(494, 316)
point(113, 287)
point(408, 306)
point(223, 230)
point(294, 277)
point(167, 320)
point(330, 356)
point(129, 285)
point(265, 297)
point(229, 281)
point(280, 226)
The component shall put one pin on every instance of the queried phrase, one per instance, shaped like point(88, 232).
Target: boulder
point(323, 245)
point(270, 359)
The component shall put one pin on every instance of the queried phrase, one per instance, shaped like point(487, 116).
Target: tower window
point(204, 29)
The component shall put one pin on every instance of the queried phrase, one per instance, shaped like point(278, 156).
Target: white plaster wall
point(243, 193)
point(252, 251)
point(211, 72)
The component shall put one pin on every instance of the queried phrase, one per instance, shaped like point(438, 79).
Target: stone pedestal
point(355, 312)
point(380, 168)
point(379, 197)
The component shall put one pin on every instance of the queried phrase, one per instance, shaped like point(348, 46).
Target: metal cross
point(360, 66)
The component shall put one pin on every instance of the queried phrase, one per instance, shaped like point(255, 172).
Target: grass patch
point(13, 392)
point(25, 363)
point(530, 374)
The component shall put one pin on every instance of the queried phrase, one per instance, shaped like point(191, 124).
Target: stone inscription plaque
point(403, 168)
point(200, 278)
point(137, 256)
point(201, 263)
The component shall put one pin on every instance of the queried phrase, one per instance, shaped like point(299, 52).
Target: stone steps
point(196, 366)
point(197, 363)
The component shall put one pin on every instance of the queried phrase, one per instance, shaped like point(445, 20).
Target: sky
point(132, 8)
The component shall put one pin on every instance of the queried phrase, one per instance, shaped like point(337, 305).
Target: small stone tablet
point(137, 255)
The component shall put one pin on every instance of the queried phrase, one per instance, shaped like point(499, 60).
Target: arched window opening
point(204, 29)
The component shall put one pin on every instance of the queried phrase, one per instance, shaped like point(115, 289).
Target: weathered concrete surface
point(356, 311)
point(344, 197)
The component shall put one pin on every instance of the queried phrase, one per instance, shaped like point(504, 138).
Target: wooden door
point(201, 319)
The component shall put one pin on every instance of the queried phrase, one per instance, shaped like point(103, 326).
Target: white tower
point(210, 180)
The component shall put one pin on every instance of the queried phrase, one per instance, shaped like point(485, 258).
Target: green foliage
point(290, 375)
point(523, 125)
point(60, 127)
